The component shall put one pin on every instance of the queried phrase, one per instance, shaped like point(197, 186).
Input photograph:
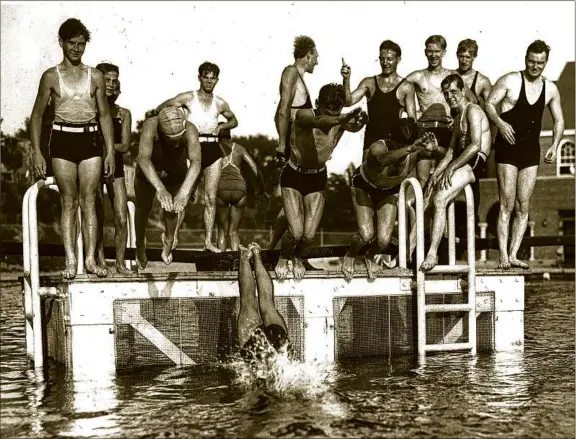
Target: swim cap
point(172, 121)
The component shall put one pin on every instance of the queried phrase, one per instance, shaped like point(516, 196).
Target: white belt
point(84, 129)
point(304, 170)
point(208, 139)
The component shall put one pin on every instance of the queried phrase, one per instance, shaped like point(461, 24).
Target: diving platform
point(122, 322)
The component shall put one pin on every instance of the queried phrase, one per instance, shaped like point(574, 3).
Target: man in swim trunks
point(315, 134)
point(79, 97)
point(168, 142)
point(375, 187)
point(387, 94)
point(469, 147)
point(232, 192)
point(116, 188)
point(204, 108)
point(434, 112)
point(294, 96)
point(523, 97)
point(262, 331)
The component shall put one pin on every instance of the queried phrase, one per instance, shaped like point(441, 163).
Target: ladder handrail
point(30, 228)
point(419, 198)
point(471, 249)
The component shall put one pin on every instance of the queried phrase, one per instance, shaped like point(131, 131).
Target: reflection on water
point(521, 394)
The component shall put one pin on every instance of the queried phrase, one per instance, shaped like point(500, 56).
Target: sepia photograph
point(268, 219)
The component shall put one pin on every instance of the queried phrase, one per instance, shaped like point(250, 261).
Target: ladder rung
point(449, 269)
point(448, 347)
point(458, 307)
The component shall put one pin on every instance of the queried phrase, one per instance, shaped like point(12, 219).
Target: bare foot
point(121, 269)
point(281, 268)
point(245, 253)
point(70, 270)
point(348, 267)
point(141, 258)
point(166, 254)
point(504, 263)
point(371, 267)
point(255, 249)
point(91, 267)
point(211, 247)
point(298, 268)
point(429, 263)
point(514, 262)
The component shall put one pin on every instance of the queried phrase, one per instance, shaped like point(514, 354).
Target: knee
point(121, 220)
point(210, 199)
point(297, 233)
point(69, 201)
point(366, 234)
point(439, 202)
point(506, 207)
point(522, 208)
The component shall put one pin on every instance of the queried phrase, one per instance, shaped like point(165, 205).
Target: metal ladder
point(452, 268)
point(33, 292)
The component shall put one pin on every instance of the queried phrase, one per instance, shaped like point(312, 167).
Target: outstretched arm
point(180, 100)
point(306, 118)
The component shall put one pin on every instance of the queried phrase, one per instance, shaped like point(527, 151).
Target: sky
point(159, 46)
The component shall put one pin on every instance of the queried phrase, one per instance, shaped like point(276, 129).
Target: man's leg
point(100, 257)
point(364, 211)
point(280, 228)
point(313, 210)
point(89, 174)
point(507, 176)
point(66, 174)
point(211, 180)
point(144, 198)
point(248, 316)
point(423, 168)
point(276, 329)
point(119, 198)
point(294, 210)
point(386, 214)
point(222, 212)
point(236, 214)
point(461, 178)
point(526, 182)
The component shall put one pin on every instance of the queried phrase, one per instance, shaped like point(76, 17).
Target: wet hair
point(539, 46)
point(453, 78)
point(467, 45)
point(106, 67)
point(436, 39)
point(73, 28)
point(302, 46)
point(404, 132)
point(208, 67)
point(391, 45)
point(331, 95)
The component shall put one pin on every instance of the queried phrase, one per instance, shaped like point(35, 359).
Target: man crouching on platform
point(315, 134)
point(375, 187)
point(166, 142)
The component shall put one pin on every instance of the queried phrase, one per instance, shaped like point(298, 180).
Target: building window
point(566, 160)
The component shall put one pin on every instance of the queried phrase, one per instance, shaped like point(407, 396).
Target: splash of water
point(283, 376)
